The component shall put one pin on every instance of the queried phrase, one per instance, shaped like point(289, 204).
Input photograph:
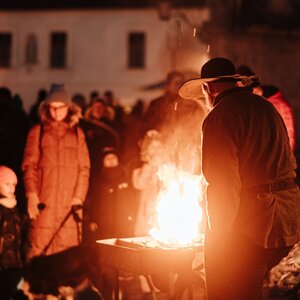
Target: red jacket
point(285, 110)
point(56, 167)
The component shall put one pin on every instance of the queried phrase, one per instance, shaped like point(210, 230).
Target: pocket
point(265, 201)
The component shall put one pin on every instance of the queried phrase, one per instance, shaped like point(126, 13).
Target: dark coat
point(245, 144)
point(111, 204)
point(10, 238)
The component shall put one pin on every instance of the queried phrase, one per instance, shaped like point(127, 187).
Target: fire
point(178, 210)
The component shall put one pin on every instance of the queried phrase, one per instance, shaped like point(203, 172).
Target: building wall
point(97, 50)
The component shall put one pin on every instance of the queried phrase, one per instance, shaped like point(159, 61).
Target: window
point(136, 43)
point(31, 50)
point(5, 50)
point(58, 52)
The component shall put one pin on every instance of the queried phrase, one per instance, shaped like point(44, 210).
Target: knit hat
point(108, 150)
point(58, 93)
point(7, 174)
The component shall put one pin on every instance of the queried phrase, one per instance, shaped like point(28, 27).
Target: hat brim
point(192, 89)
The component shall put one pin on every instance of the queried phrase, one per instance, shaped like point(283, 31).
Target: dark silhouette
point(34, 110)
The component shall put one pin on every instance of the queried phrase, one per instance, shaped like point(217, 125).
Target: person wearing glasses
point(56, 170)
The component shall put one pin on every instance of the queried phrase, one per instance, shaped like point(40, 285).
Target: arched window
point(31, 50)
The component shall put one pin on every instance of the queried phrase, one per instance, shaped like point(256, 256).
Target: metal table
point(145, 256)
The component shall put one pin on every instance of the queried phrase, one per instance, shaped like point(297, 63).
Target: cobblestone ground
point(136, 288)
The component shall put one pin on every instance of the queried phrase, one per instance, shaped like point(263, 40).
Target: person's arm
point(221, 170)
point(30, 168)
point(31, 159)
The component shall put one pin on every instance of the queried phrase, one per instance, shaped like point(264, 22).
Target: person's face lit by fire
point(110, 160)
point(98, 110)
point(7, 188)
point(58, 110)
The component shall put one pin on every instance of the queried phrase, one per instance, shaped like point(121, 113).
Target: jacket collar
point(228, 92)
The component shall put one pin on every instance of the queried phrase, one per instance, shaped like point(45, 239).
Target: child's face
point(110, 161)
point(7, 188)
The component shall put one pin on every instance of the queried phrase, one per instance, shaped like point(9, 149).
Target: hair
point(245, 70)
point(6, 172)
point(41, 96)
point(72, 118)
point(109, 94)
point(100, 100)
point(269, 90)
point(94, 94)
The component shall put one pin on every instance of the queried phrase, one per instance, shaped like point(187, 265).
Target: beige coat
point(56, 167)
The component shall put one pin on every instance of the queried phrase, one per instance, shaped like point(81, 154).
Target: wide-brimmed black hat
point(216, 69)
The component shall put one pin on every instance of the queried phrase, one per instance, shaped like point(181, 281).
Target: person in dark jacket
point(110, 206)
point(253, 203)
point(165, 110)
point(10, 235)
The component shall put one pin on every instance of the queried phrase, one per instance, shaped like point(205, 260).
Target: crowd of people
point(86, 170)
point(78, 162)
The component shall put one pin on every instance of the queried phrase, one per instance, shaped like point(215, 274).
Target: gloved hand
point(8, 202)
point(32, 205)
point(76, 206)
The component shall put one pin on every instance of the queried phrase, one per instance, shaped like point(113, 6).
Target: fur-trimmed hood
point(72, 118)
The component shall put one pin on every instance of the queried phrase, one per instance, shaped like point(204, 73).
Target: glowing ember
point(178, 209)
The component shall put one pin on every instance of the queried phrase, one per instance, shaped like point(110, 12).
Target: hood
point(72, 118)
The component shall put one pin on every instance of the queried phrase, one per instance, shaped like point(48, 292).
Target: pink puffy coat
point(56, 167)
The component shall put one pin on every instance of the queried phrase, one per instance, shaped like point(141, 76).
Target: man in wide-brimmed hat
point(252, 200)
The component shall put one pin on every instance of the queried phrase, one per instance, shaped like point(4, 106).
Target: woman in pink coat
point(56, 173)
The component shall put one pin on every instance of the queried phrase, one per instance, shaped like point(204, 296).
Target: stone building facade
point(119, 49)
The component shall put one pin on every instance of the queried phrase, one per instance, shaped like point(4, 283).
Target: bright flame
point(178, 209)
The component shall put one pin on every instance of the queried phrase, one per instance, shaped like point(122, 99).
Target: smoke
point(178, 141)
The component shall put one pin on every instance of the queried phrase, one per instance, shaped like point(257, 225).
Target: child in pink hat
point(10, 235)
